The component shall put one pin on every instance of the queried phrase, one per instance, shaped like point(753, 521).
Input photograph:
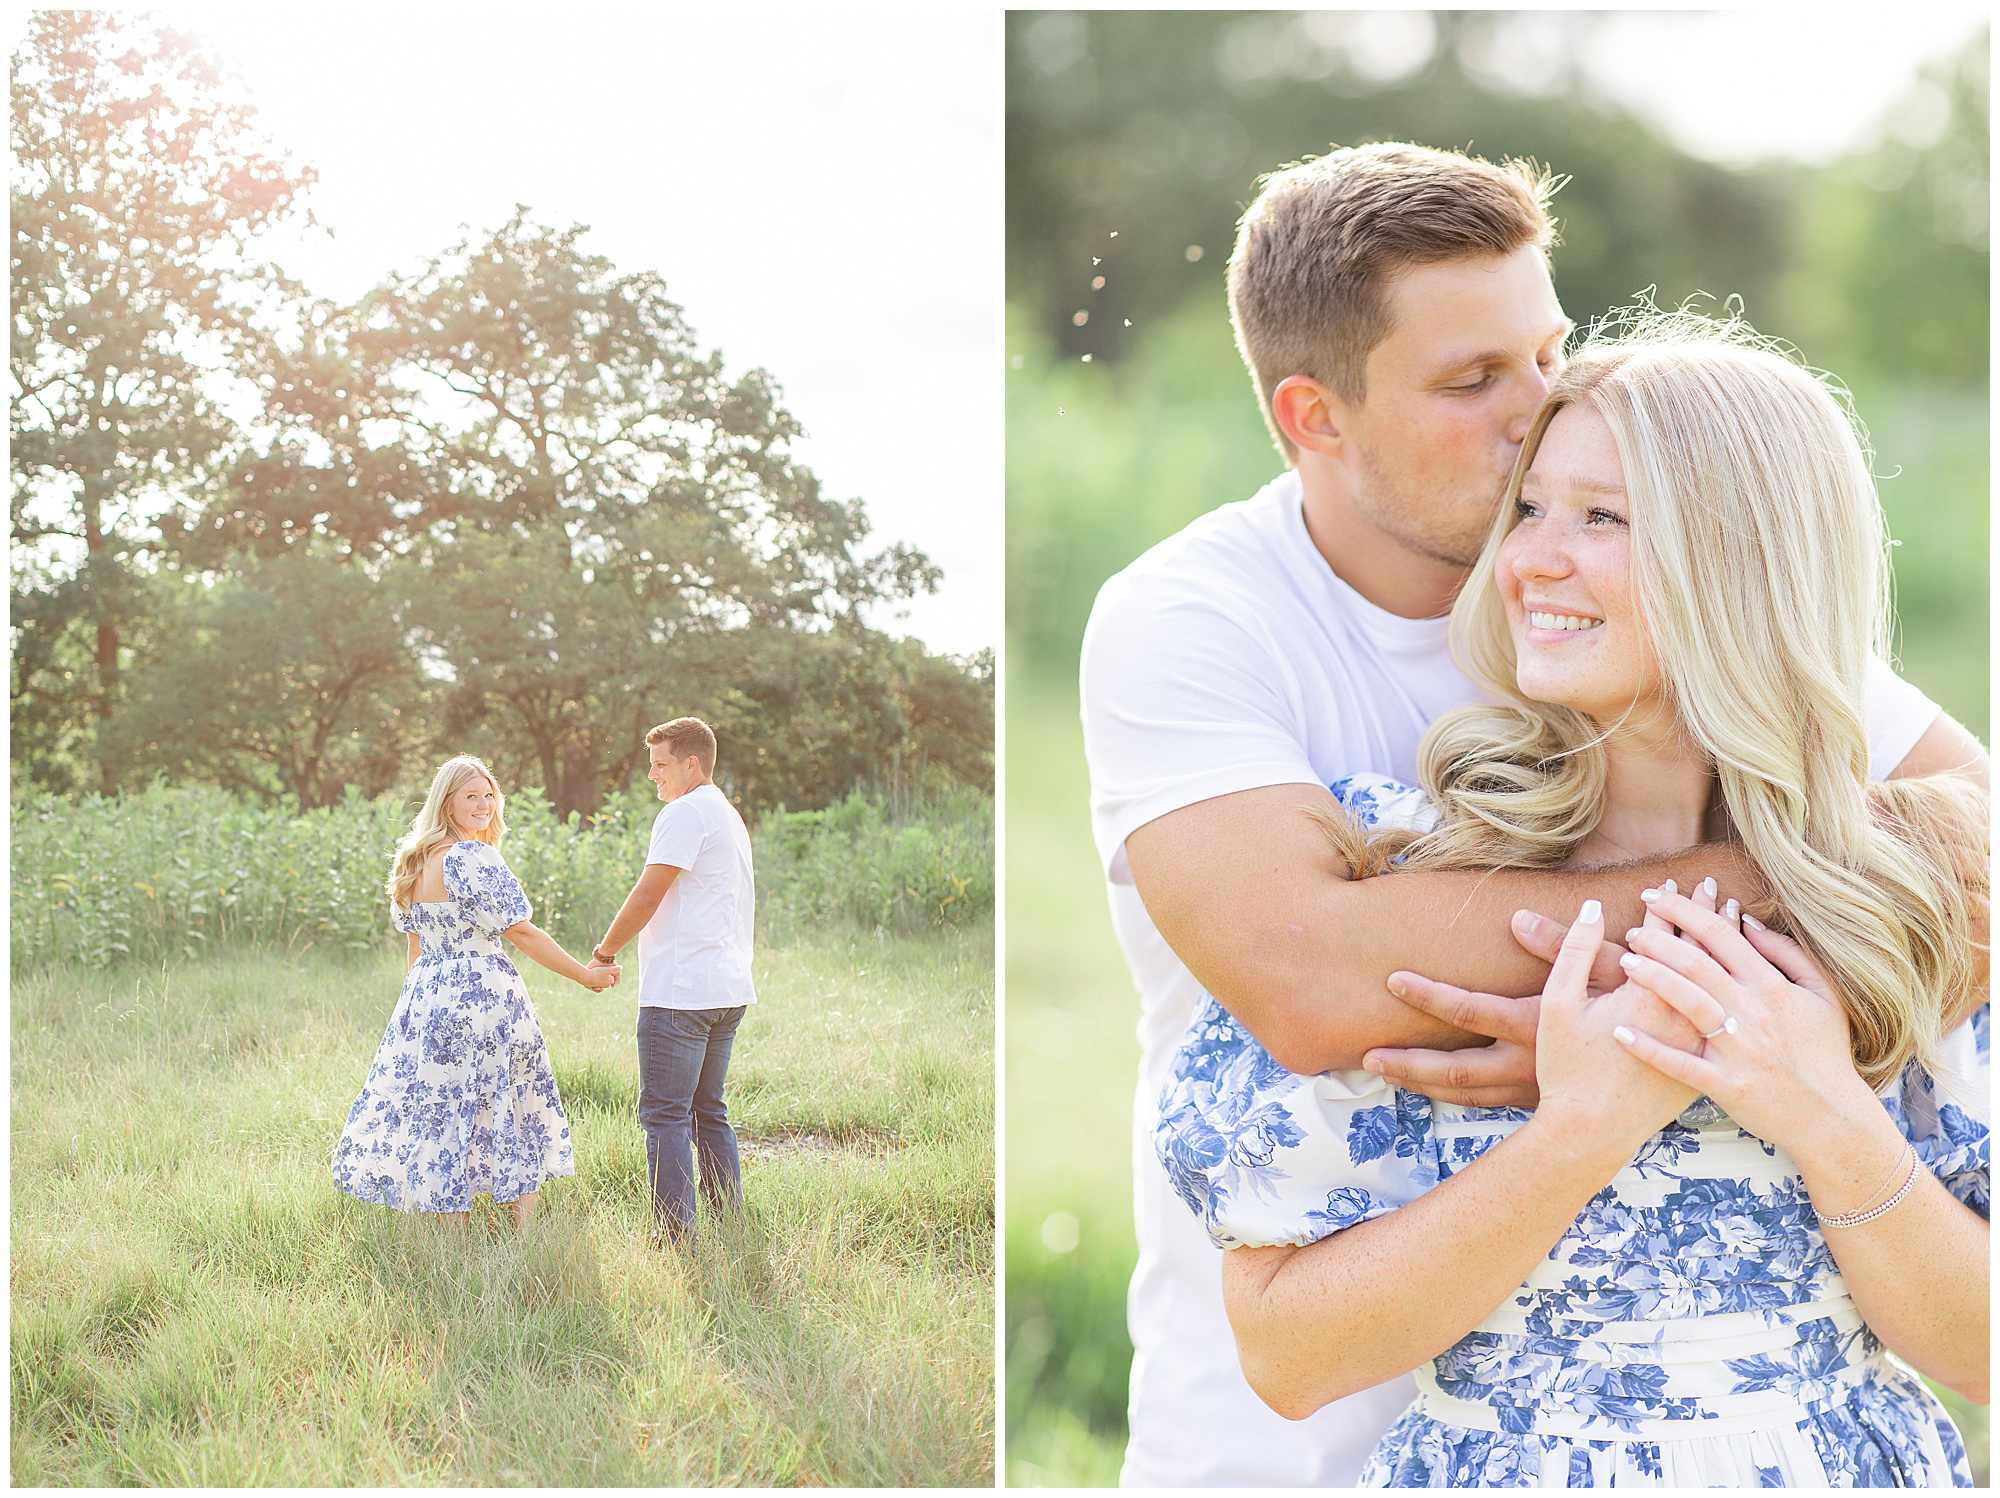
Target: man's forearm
point(637, 909)
point(1252, 897)
point(1323, 994)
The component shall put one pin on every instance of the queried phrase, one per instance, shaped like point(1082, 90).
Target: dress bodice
point(482, 899)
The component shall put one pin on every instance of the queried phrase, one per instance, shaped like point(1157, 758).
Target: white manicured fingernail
point(1630, 961)
point(1671, 887)
point(1622, 1035)
point(1753, 923)
point(1732, 910)
point(1591, 913)
point(1649, 895)
point(1708, 888)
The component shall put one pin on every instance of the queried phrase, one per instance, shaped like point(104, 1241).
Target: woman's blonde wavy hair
point(432, 830)
point(1759, 571)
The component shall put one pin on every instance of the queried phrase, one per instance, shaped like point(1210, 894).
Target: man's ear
point(1309, 414)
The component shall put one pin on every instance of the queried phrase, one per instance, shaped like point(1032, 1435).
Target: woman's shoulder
point(469, 856)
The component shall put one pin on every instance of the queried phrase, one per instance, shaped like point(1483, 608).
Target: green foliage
point(136, 191)
point(172, 871)
point(1071, 1061)
point(855, 864)
point(506, 499)
point(287, 675)
point(1105, 460)
point(194, 1303)
point(1889, 272)
point(1156, 124)
point(1153, 125)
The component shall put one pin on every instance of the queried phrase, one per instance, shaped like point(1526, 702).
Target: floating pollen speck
point(1114, 233)
point(1081, 318)
point(1194, 252)
point(1086, 358)
point(1097, 283)
point(1095, 261)
point(1128, 322)
point(1061, 412)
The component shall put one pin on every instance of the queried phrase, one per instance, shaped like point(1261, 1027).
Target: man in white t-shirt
point(1395, 308)
point(693, 910)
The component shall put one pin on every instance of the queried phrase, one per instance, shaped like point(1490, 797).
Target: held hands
point(1771, 1041)
point(599, 975)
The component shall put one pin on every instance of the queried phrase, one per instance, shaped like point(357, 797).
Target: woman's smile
point(1565, 576)
point(1556, 623)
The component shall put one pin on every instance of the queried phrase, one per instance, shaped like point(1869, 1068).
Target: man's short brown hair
point(685, 736)
point(1314, 252)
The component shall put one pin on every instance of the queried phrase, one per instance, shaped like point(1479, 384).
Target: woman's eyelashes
point(1527, 509)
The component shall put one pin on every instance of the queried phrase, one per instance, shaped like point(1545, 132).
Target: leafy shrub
point(169, 872)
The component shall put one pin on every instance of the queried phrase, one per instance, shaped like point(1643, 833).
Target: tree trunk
point(97, 567)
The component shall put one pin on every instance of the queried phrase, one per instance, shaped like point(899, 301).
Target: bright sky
point(820, 191)
point(1802, 82)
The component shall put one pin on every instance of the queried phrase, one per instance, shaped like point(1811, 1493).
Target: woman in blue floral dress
point(1744, 1185)
point(461, 1098)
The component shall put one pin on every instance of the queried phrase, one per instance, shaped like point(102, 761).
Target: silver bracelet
point(1869, 1214)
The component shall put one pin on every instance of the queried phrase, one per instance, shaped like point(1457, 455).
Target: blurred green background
point(1156, 125)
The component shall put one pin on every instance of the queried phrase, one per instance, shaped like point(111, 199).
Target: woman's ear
point(1309, 414)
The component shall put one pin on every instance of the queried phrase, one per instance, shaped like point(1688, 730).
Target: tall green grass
point(194, 1302)
point(175, 871)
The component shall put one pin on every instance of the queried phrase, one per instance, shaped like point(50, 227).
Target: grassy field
point(1072, 1063)
point(194, 1303)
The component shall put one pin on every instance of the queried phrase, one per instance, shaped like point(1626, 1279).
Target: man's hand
point(1500, 1075)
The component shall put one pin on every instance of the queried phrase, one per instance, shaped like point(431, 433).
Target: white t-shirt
point(1226, 658)
point(695, 951)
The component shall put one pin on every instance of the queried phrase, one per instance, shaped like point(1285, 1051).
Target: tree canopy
point(504, 502)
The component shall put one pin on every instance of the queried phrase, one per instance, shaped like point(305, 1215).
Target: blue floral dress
point(1691, 1329)
point(461, 1098)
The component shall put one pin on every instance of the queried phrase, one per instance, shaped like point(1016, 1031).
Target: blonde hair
point(1759, 572)
point(1315, 251)
point(432, 830)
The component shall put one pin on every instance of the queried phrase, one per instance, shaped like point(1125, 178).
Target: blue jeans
point(683, 1057)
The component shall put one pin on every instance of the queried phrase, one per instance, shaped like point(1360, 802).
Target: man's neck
point(1382, 568)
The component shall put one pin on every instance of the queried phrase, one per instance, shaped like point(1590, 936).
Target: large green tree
point(138, 186)
point(596, 527)
point(289, 675)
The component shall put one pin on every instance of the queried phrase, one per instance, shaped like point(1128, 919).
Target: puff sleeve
point(1947, 1113)
point(1264, 1156)
point(478, 876)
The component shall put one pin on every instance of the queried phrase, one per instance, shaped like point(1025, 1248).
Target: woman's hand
point(600, 976)
point(1774, 1048)
point(1592, 1087)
